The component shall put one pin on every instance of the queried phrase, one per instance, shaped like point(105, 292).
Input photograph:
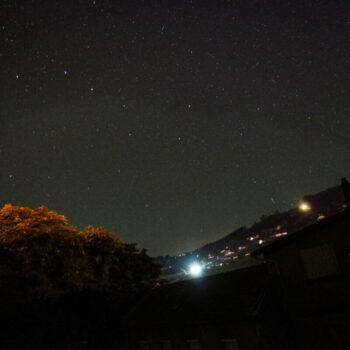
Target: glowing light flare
point(195, 270)
point(304, 207)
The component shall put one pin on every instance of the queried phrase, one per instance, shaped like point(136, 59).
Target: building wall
point(303, 294)
point(318, 305)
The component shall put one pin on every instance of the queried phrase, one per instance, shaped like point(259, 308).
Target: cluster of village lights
point(195, 269)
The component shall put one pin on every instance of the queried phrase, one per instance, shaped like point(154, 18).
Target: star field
point(171, 123)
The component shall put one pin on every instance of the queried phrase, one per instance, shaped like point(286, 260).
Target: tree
point(116, 266)
point(41, 256)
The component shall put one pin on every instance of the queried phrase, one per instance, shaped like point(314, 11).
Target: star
point(194, 106)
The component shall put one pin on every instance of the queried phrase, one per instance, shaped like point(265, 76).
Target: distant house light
point(280, 234)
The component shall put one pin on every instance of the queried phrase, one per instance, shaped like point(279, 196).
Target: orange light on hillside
point(304, 207)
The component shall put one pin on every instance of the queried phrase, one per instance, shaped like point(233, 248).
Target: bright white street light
point(195, 270)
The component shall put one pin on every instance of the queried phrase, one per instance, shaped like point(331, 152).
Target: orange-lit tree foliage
point(41, 255)
point(117, 265)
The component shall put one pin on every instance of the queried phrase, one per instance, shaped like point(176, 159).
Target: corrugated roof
point(231, 296)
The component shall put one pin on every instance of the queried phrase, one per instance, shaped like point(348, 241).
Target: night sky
point(173, 122)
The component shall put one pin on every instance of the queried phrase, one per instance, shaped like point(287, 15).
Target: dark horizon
point(172, 124)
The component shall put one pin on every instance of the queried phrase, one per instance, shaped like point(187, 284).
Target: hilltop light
point(304, 207)
point(195, 270)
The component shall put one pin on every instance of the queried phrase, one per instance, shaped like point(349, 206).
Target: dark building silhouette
point(234, 310)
